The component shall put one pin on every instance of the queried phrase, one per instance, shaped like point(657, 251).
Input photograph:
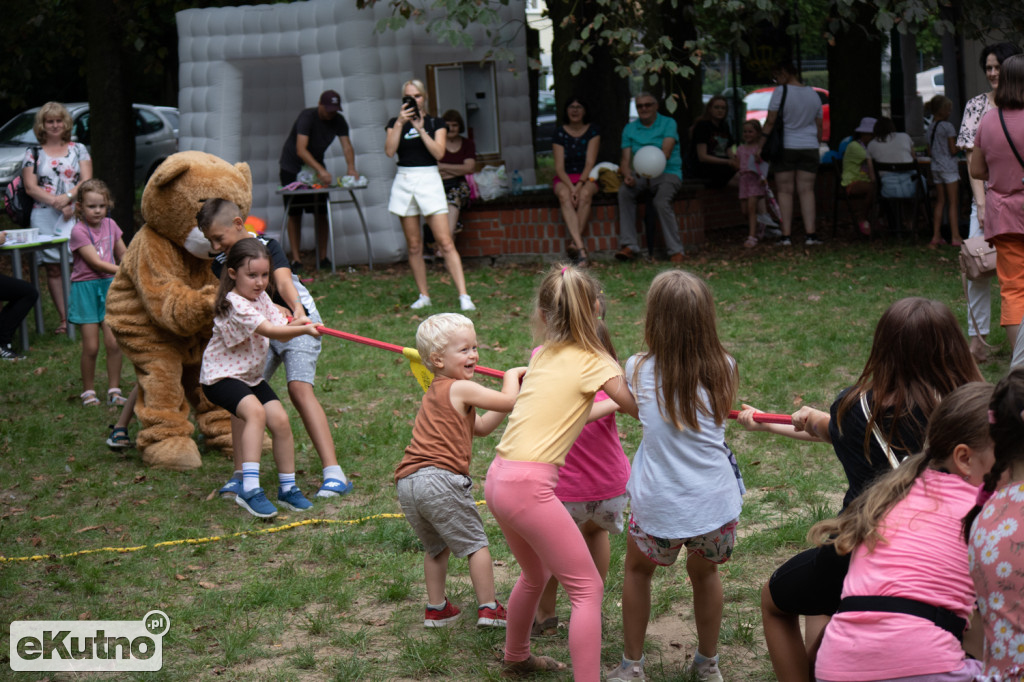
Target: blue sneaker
point(332, 487)
point(232, 487)
point(293, 499)
point(256, 503)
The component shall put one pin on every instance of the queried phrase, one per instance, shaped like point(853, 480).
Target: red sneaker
point(492, 618)
point(442, 618)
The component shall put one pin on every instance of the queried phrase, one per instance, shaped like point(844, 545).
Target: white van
point(930, 83)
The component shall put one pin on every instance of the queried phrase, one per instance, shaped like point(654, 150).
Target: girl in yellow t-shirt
point(520, 488)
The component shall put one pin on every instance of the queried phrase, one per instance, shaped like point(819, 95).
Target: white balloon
point(649, 161)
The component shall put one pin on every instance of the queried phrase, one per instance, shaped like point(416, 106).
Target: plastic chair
point(894, 206)
point(839, 194)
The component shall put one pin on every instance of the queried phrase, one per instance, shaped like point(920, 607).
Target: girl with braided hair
point(995, 535)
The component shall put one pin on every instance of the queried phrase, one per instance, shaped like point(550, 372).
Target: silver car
point(156, 138)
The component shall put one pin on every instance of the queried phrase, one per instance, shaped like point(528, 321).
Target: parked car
point(930, 83)
point(757, 107)
point(156, 138)
point(547, 119)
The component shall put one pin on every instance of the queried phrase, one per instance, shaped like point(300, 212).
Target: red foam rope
point(765, 417)
point(487, 371)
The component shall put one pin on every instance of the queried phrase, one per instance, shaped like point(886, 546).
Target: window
point(471, 89)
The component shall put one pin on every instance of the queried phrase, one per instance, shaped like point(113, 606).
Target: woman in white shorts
point(419, 141)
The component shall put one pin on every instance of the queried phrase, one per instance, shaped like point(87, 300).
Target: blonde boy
point(434, 487)
point(222, 224)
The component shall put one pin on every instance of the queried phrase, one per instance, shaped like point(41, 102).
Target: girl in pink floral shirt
point(232, 374)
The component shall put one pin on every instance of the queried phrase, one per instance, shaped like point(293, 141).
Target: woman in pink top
point(999, 160)
point(908, 595)
point(592, 487)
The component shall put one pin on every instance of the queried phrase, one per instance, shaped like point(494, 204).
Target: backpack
point(16, 199)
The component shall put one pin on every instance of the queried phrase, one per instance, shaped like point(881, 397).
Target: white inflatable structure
point(247, 72)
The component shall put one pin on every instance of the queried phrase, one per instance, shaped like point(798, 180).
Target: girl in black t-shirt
point(918, 356)
point(419, 141)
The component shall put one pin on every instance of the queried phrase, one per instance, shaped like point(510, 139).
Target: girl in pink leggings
point(520, 488)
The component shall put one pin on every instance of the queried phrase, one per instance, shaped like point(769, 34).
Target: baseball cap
point(331, 101)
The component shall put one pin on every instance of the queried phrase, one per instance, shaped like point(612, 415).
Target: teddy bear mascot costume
point(160, 308)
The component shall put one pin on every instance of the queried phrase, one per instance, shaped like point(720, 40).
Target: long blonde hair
point(682, 341)
point(961, 417)
point(565, 310)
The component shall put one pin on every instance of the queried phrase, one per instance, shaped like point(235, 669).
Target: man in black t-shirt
point(312, 133)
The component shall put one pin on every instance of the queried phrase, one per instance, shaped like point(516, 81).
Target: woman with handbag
point(872, 426)
point(998, 161)
point(52, 173)
point(979, 299)
point(799, 108)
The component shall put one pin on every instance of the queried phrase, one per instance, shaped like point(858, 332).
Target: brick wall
point(531, 224)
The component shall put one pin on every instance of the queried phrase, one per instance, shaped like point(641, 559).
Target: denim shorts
point(299, 356)
point(715, 546)
point(439, 506)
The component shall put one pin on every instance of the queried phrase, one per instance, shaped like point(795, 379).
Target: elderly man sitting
point(650, 128)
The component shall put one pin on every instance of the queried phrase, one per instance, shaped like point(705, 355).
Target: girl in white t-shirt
point(683, 488)
point(232, 374)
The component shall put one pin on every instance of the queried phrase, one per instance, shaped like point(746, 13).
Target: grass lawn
point(342, 599)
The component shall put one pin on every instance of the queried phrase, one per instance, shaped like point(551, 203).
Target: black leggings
point(21, 296)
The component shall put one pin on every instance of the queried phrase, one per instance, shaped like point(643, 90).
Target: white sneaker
point(707, 670)
point(767, 219)
point(422, 302)
point(465, 302)
point(628, 671)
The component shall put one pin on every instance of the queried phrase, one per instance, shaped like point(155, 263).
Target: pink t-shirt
point(236, 351)
point(1004, 198)
point(923, 556)
point(103, 239)
point(596, 468)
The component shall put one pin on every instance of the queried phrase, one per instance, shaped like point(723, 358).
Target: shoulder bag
point(877, 432)
point(774, 144)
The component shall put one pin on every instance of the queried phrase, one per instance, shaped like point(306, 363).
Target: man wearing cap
point(312, 133)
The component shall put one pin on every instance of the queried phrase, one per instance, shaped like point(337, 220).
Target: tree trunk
point(606, 95)
point(855, 89)
point(111, 120)
point(677, 24)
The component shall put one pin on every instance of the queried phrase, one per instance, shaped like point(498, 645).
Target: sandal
point(547, 628)
point(750, 242)
point(573, 253)
point(89, 399)
point(62, 328)
point(534, 664)
point(114, 397)
point(582, 260)
point(118, 439)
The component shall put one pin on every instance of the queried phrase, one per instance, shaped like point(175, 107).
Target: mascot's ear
point(243, 168)
point(170, 169)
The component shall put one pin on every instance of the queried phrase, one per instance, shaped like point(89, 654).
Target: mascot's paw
point(176, 454)
point(220, 441)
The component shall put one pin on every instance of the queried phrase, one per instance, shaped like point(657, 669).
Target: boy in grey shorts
point(434, 487)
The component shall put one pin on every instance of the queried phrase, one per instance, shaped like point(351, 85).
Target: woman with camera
point(418, 139)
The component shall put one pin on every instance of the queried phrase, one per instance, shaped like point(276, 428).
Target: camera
point(409, 101)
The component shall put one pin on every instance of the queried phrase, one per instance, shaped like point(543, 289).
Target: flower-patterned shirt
point(60, 174)
point(996, 554)
point(975, 109)
point(236, 351)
